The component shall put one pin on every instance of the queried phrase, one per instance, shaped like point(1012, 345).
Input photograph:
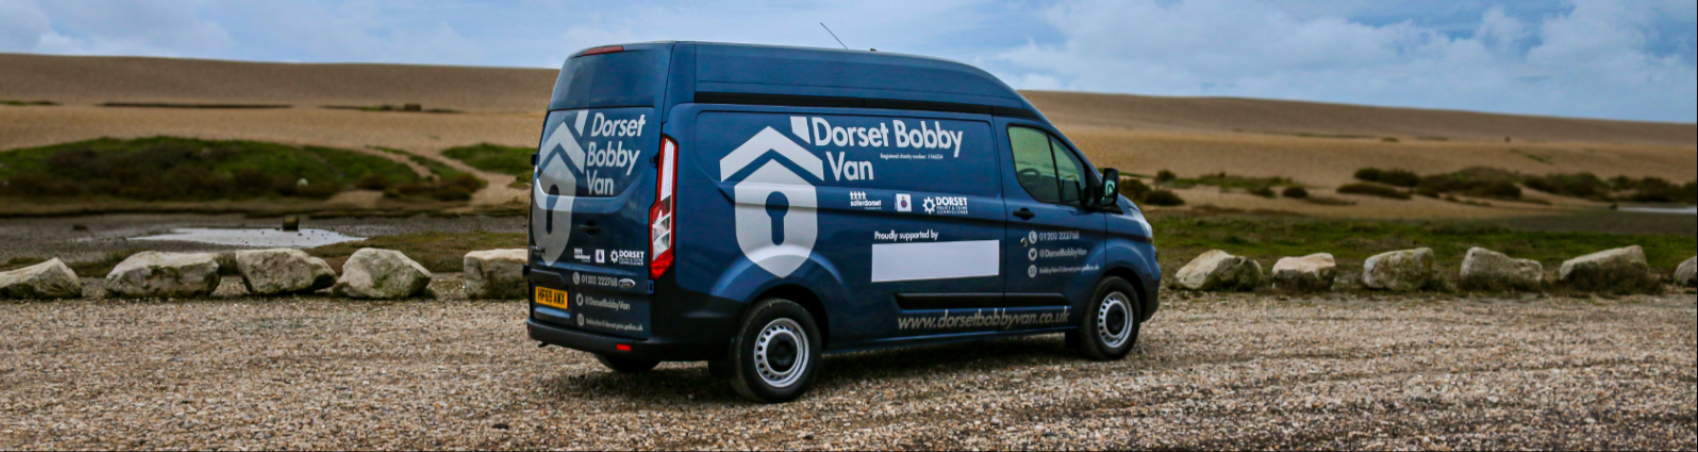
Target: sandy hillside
point(1320, 145)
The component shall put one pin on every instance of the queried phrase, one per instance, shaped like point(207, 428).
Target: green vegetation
point(19, 262)
point(1182, 236)
point(1143, 195)
point(1296, 193)
point(1534, 157)
point(438, 251)
point(449, 185)
point(1372, 189)
point(1492, 183)
point(182, 169)
point(1224, 180)
point(411, 108)
point(26, 103)
point(496, 158)
point(1395, 178)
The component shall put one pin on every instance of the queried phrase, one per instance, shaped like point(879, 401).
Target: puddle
point(255, 238)
point(1663, 210)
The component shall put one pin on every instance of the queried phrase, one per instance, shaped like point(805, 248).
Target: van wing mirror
point(1109, 193)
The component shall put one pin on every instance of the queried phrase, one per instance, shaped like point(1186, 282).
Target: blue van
point(757, 207)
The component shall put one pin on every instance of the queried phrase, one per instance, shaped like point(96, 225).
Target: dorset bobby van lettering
point(899, 133)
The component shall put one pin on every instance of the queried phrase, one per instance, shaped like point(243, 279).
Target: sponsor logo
point(904, 202)
point(983, 319)
point(626, 257)
point(775, 211)
point(600, 256)
point(945, 205)
point(859, 199)
point(578, 255)
point(894, 236)
point(627, 284)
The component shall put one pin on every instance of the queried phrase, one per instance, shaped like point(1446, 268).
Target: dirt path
point(1236, 372)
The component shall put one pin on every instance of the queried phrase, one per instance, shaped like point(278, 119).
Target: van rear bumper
point(652, 348)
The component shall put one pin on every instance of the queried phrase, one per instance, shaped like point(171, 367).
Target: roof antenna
point(834, 36)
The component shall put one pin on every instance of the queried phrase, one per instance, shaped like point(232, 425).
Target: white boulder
point(381, 274)
point(496, 274)
point(1687, 275)
point(1399, 271)
point(283, 271)
point(1614, 270)
point(1312, 273)
point(151, 274)
point(51, 279)
point(1485, 269)
point(1218, 271)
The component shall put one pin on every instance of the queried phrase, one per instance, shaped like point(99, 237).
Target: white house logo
point(555, 187)
point(776, 212)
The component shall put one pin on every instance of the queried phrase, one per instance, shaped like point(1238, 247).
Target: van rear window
point(632, 78)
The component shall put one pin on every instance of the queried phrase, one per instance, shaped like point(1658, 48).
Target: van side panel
point(857, 206)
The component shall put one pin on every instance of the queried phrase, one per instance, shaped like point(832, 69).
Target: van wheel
point(626, 365)
point(776, 352)
point(1110, 327)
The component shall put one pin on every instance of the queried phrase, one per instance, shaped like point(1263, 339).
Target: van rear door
point(593, 190)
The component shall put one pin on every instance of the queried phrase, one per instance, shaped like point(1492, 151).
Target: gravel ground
point(1239, 371)
point(56, 236)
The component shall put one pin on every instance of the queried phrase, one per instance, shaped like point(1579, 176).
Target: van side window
point(1034, 163)
point(1070, 173)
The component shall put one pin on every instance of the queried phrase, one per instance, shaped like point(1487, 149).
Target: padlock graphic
point(554, 188)
point(776, 209)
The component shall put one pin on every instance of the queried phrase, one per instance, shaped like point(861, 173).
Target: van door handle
point(1025, 214)
point(590, 228)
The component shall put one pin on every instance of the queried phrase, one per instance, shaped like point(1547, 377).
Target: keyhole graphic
point(776, 206)
point(553, 190)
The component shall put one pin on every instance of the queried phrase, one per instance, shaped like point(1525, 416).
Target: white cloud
point(21, 26)
point(1592, 61)
point(129, 27)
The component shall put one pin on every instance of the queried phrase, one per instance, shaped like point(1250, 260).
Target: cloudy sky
point(1619, 59)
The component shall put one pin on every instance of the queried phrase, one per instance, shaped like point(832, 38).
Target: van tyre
point(775, 353)
point(1110, 326)
point(626, 365)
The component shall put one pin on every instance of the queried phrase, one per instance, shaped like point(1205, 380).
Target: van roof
point(703, 72)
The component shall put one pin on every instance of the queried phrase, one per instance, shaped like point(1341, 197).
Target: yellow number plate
point(551, 297)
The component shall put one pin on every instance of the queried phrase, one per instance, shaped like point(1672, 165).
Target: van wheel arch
point(802, 296)
point(1137, 282)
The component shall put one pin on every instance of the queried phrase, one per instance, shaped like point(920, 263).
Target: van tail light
point(662, 225)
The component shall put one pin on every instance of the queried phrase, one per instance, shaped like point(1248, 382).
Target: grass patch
point(1183, 236)
point(183, 169)
point(19, 262)
point(1493, 183)
point(449, 184)
point(1377, 190)
point(196, 106)
point(28, 103)
point(1144, 195)
point(409, 108)
point(440, 252)
point(1534, 157)
point(1223, 180)
point(515, 161)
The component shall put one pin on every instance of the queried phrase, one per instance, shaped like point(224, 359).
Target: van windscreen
point(635, 77)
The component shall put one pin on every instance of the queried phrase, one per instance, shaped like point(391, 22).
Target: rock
point(1687, 275)
point(150, 274)
point(1617, 270)
point(1485, 269)
point(283, 271)
point(496, 274)
point(381, 274)
point(1311, 273)
point(1399, 271)
point(1218, 271)
point(51, 279)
